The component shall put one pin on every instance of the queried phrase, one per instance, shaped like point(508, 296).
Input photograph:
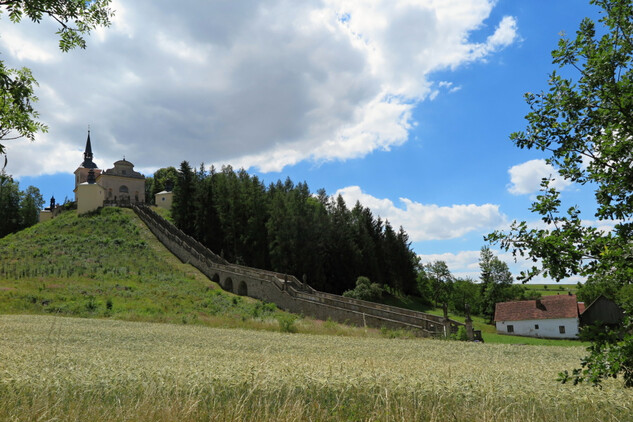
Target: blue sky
point(406, 106)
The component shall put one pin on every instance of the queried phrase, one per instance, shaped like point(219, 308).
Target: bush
point(461, 334)
point(287, 323)
point(365, 290)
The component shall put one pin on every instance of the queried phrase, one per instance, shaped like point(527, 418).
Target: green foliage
point(18, 117)
point(435, 277)
point(460, 335)
point(285, 228)
point(496, 283)
point(584, 124)
point(18, 209)
point(365, 290)
point(287, 323)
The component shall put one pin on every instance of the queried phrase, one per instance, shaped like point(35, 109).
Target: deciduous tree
point(76, 18)
point(584, 123)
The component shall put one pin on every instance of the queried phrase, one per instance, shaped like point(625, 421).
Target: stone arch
point(123, 189)
point(242, 289)
point(216, 278)
point(228, 284)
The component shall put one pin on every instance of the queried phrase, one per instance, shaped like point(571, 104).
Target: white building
point(550, 317)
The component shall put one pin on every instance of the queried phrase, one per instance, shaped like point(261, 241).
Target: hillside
point(108, 264)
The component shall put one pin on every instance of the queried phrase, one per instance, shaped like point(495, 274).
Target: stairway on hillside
point(290, 294)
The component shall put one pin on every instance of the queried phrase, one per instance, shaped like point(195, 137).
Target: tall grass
point(83, 369)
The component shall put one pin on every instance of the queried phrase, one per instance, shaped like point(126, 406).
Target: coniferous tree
point(183, 207)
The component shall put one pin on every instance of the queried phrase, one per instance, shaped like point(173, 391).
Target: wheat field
point(54, 368)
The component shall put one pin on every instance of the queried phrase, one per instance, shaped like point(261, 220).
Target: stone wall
point(286, 291)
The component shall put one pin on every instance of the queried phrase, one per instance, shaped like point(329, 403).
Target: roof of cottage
point(549, 307)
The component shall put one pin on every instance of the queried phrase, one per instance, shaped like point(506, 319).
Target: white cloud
point(428, 222)
point(260, 83)
point(465, 264)
point(526, 178)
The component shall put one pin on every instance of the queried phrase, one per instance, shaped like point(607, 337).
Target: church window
point(123, 189)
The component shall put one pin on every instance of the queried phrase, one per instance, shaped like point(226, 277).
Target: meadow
point(109, 265)
point(58, 368)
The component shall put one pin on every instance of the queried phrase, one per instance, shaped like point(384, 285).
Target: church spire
point(88, 155)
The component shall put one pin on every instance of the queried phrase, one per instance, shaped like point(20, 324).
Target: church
point(94, 187)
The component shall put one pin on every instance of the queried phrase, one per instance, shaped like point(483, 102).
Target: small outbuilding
point(555, 316)
point(602, 311)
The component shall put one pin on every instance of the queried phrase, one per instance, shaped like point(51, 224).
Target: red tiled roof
point(557, 306)
point(581, 307)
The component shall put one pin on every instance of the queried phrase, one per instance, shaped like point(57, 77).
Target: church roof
point(123, 162)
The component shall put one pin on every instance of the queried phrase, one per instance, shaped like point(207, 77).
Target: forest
point(286, 228)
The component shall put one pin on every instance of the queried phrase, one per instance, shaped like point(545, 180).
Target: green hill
point(108, 264)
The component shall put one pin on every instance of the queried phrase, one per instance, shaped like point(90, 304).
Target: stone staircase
point(290, 294)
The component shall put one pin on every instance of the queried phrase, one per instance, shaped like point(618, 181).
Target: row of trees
point(437, 286)
point(285, 228)
point(18, 209)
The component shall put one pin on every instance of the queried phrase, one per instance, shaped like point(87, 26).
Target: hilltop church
point(95, 188)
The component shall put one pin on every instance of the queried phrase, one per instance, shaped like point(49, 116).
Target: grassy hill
point(109, 265)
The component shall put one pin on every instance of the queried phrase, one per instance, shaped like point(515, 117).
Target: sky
point(403, 105)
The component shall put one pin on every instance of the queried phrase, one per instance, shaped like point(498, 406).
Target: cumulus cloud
point(254, 83)
point(428, 222)
point(465, 264)
point(526, 178)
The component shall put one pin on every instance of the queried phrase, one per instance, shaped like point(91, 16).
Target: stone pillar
point(469, 324)
point(446, 321)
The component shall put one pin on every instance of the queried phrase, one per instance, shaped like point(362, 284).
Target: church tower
point(81, 174)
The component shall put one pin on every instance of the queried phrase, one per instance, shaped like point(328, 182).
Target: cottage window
point(511, 328)
point(561, 329)
point(536, 326)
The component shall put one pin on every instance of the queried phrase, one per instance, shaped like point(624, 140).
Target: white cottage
point(549, 317)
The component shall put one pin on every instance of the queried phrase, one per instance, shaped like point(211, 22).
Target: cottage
point(549, 317)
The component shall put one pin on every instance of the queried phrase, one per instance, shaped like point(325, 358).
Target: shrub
point(287, 323)
point(461, 334)
point(365, 290)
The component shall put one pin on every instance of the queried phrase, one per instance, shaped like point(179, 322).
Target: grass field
point(54, 368)
point(552, 289)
